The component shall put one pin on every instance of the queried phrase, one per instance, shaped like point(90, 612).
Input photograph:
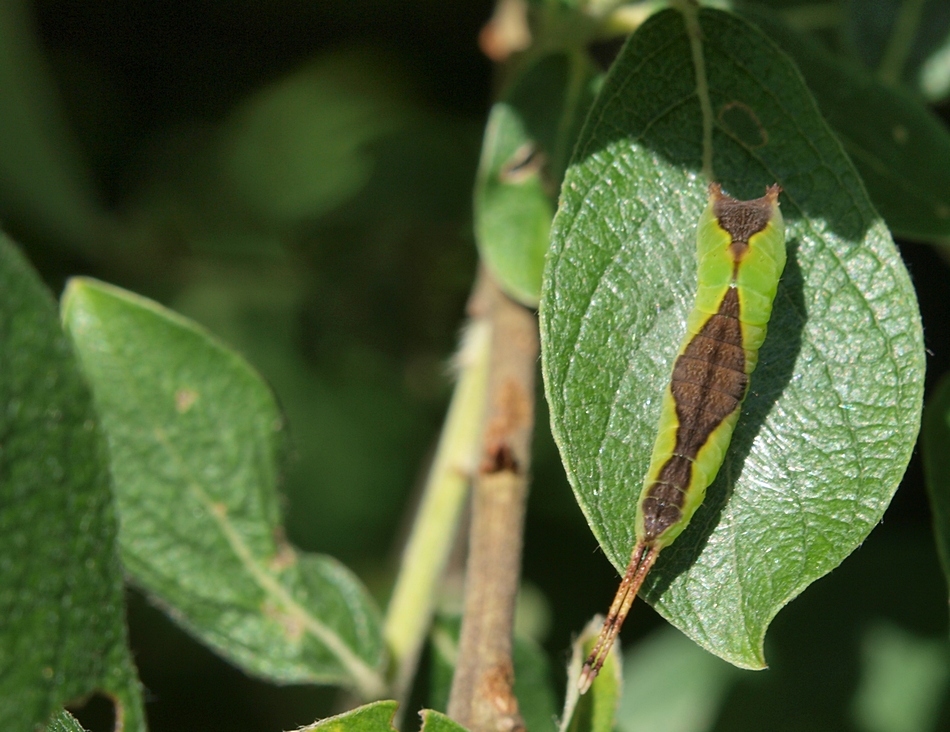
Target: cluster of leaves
point(136, 443)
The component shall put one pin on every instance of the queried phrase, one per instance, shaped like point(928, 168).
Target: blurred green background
point(297, 177)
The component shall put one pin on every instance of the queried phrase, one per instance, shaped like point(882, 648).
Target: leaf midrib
point(369, 683)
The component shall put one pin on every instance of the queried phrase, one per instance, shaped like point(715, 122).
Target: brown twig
point(482, 699)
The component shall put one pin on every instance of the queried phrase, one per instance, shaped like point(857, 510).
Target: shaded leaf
point(899, 146)
point(834, 407)
point(444, 645)
point(63, 633)
point(195, 437)
point(903, 41)
point(595, 711)
point(301, 146)
point(44, 184)
point(528, 138)
point(375, 717)
point(903, 681)
point(533, 686)
point(935, 442)
point(672, 685)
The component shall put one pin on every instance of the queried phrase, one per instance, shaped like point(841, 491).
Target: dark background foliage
point(349, 298)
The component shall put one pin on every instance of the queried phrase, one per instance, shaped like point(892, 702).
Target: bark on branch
point(482, 699)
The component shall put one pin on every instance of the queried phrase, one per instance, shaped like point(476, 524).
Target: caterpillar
point(740, 253)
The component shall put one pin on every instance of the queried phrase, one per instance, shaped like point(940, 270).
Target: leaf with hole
point(64, 722)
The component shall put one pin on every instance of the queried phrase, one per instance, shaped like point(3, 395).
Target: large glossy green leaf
point(935, 441)
point(196, 438)
point(62, 633)
point(528, 140)
point(834, 407)
point(899, 146)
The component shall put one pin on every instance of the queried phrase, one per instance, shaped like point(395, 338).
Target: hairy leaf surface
point(62, 633)
point(196, 437)
point(375, 717)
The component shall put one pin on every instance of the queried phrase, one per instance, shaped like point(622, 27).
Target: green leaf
point(935, 442)
point(444, 644)
point(533, 687)
point(528, 138)
point(63, 632)
point(375, 717)
point(672, 685)
point(302, 145)
point(834, 406)
point(195, 437)
point(433, 721)
point(64, 722)
point(900, 147)
point(595, 711)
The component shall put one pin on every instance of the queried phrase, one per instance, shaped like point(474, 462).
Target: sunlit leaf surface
point(834, 407)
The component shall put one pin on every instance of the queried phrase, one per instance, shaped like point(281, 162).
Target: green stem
point(690, 12)
point(433, 534)
point(891, 68)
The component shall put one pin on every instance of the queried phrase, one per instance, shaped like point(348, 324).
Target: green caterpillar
point(740, 257)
